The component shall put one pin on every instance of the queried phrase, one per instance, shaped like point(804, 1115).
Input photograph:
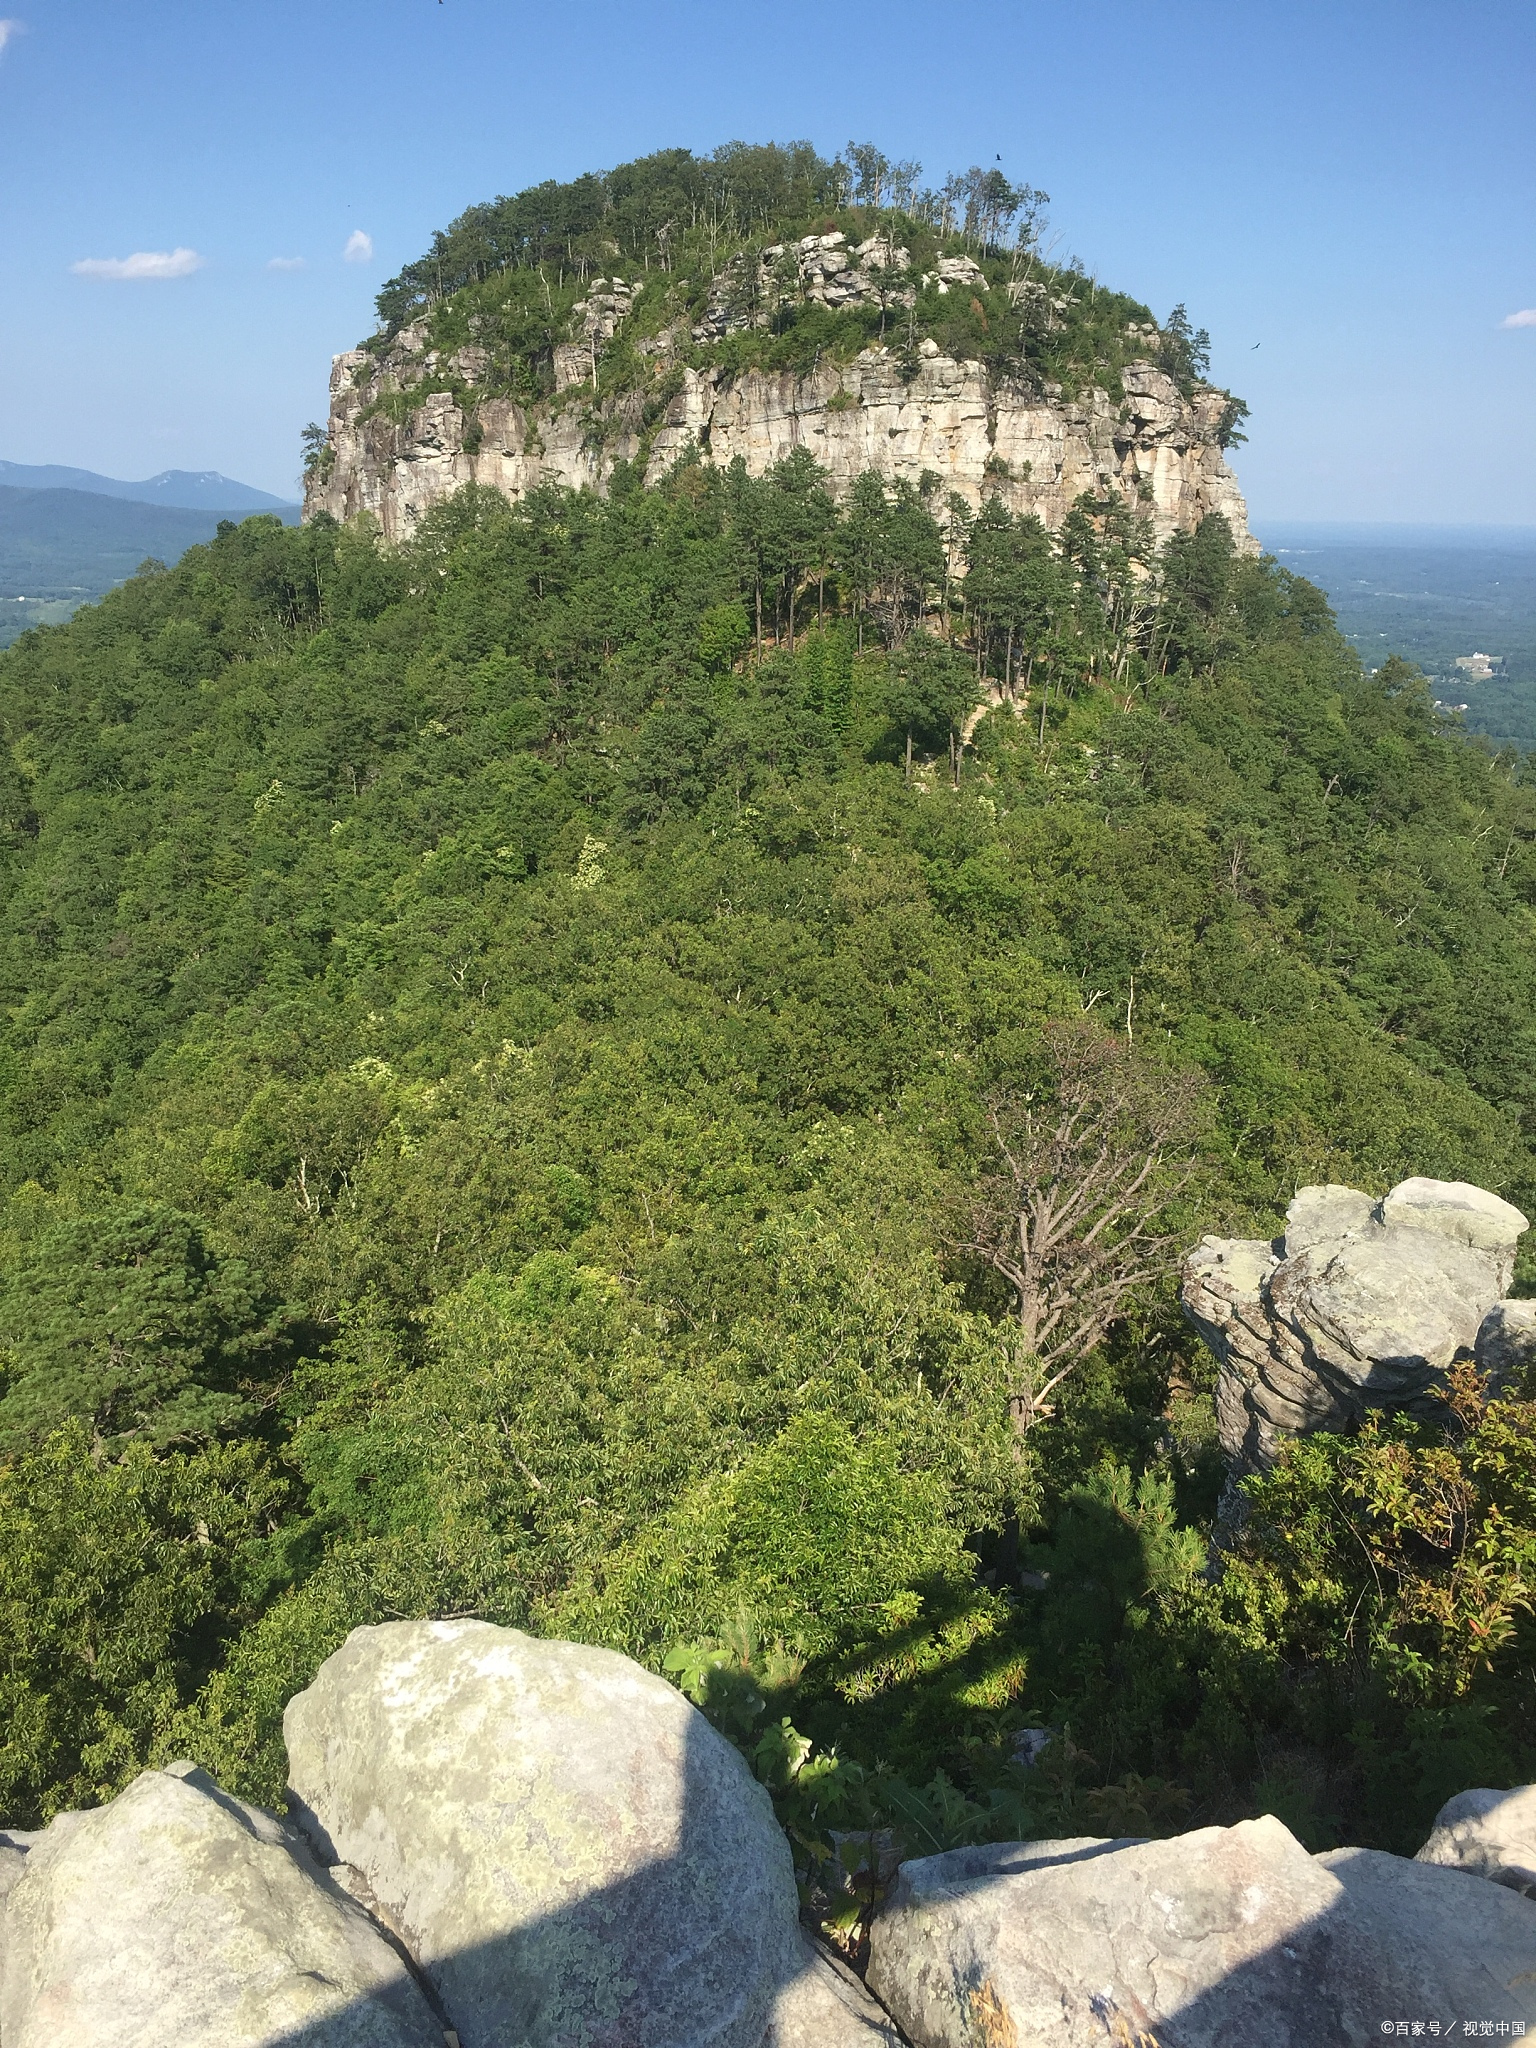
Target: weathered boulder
point(1385, 1315)
point(176, 1913)
point(1461, 1212)
point(1072, 1943)
point(564, 1843)
point(1490, 1834)
point(1410, 1940)
point(1360, 1305)
point(1222, 1936)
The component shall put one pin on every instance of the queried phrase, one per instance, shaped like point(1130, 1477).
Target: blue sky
point(1351, 186)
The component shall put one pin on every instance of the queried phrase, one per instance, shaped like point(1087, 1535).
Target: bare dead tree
point(1075, 1212)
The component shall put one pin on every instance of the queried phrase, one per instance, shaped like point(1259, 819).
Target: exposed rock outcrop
point(177, 1913)
point(539, 1845)
point(1071, 1941)
point(980, 436)
point(566, 1846)
point(1360, 1305)
point(1221, 1936)
point(1490, 1834)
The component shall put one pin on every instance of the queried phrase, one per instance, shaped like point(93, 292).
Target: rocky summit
point(500, 1842)
point(929, 343)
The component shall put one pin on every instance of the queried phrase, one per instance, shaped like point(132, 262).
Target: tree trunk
point(908, 776)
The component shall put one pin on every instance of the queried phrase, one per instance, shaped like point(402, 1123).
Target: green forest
point(513, 1052)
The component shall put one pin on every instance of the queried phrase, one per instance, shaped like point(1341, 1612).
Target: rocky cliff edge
point(982, 438)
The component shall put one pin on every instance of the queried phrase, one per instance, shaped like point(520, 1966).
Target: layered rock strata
point(1360, 1305)
point(982, 437)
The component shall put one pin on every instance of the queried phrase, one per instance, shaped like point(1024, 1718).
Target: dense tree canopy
point(495, 1067)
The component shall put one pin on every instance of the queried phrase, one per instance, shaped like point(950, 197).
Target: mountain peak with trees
point(762, 299)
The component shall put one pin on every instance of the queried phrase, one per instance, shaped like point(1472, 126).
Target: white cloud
point(142, 263)
point(359, 248)
point(1526, 317)
point(9, 29)
point(285, 263)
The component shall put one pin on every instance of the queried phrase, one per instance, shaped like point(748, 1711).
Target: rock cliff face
point(1036, 452)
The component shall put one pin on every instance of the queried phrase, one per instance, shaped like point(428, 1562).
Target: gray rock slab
point(1216, 1938)
point(1506, 1345)
point(1489, 1834)
point(567, 1846)
point(1457, 1210)
point(176, 1914)
point(1320, 1213)
point(1415, 1941)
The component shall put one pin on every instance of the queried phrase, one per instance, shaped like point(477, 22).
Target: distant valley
point(1439, 596)
point(67, 535)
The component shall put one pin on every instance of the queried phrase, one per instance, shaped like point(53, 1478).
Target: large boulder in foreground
point(1413, 1940)
point(1488, 1834)
point(565, 1845)
point(1222, 1936)
point(1084, 1942)
point(178, 1914)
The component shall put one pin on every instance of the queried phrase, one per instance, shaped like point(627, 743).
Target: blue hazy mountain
point(63, 548)
point(198, 490)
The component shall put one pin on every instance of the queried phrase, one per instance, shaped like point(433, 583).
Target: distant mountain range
point(198, 490)
point(65, 543)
